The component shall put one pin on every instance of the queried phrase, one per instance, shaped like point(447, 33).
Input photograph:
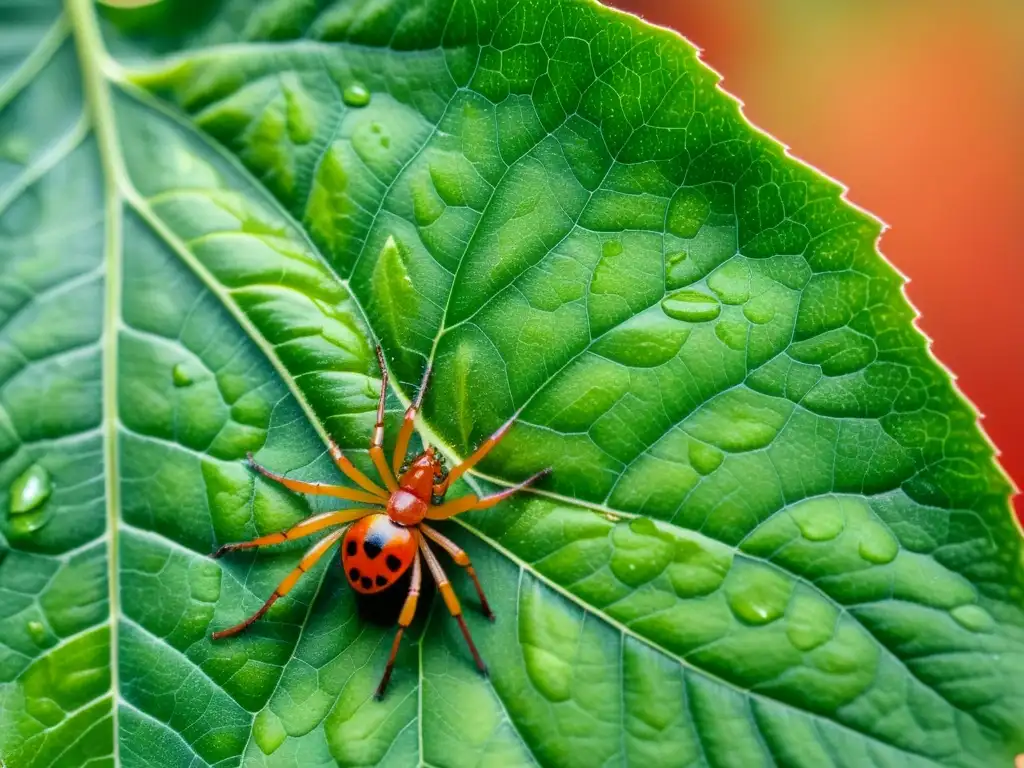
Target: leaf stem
point(85, 29)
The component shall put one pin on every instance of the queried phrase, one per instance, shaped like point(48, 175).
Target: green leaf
point(773, 533)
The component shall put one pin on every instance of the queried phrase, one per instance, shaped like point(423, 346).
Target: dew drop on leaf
point(30, 490)
point(24, 525)
point(181, 376)
point(356, 95)
point(760, 311)
point(810, 622)
point(877, 545)
point(974, 618)
point(757, 595)
point(691, 306)
point(705, 458)
point(819, 519)
point(36, 631)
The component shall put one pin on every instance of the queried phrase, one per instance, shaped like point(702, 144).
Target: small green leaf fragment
point(356, 95)
point(31, 488)
point(394, 296)
point(268, 732)
point(691, 306)
point(974, 618)
point(687, 212)
point(300, 111)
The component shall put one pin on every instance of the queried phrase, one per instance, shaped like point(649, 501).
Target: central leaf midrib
point(122, 189)
point(89, 46)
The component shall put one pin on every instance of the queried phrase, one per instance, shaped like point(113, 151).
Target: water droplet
point(974, 618)
point(640, 553)
point(760, 310)
point(268, 732)
point(691, 306)
point(680, 270)
point(37, 632)
point(819, 519)
point(732, 333)
point(877, 545)
point(810, 622)
point(181, 376)
point(356, 95)
point(731, 282)
point(757, 594)
point(704, 458)
point(31, 488)
point(24, 525)
point(643, 526)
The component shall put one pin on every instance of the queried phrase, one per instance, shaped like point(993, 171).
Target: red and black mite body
point(388, 538)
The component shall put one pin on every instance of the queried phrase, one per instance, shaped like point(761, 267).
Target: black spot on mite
point(366, 582)
point(381, 581)
point(393, 563)
point(350, 548)
point(372, 548)
point(353, 575)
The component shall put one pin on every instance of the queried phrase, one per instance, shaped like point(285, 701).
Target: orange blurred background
point(917, 107)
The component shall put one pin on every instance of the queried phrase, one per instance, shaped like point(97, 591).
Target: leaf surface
point(773, 533)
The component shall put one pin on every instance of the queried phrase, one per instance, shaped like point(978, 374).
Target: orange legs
point(319, 489)
point(404, 620)
point(308, 561)
point(305, 527)
point(472, 501)
point(478, 455)
point(402, 444)
point(461, 558)
point(450, 600)
point(353, 473)
point(377, 441)
point(370, 493)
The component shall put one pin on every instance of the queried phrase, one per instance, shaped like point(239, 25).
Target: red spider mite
point(382, 541)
